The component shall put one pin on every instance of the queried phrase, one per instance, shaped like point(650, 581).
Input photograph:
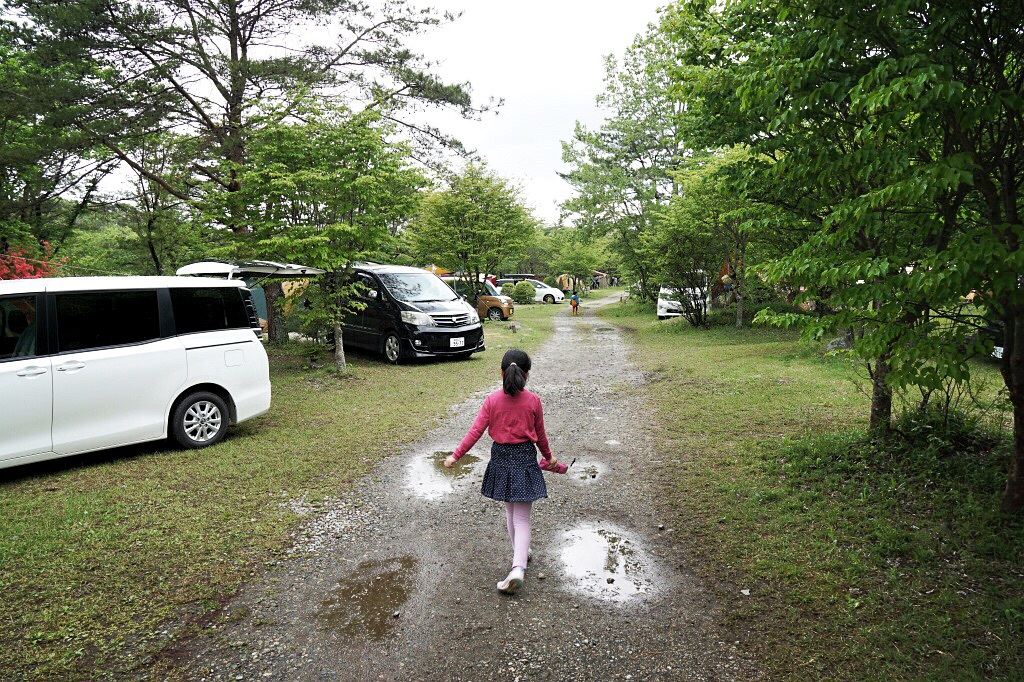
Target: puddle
point(586, 471)
point(365, 604)
point(606, 563)
point(563, 329)
point(428, 477)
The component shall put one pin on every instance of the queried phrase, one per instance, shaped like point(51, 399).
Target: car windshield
point(415, 287)
point(489, 288)
point(537, 284)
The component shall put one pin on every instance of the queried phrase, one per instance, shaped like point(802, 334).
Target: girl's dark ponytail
point(514, 366)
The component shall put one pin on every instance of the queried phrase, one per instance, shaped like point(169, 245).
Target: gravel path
point(395, 580)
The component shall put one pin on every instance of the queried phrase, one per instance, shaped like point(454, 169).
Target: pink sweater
point(508, 420)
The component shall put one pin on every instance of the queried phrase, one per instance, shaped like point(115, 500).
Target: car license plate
point(458, 342)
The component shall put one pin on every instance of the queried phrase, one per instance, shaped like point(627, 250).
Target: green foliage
point(51, 166)
point(95, 84)
point(872, 554)
point(622, 172)
point(507, 289)
point(889, 138)
point(523, 293)
point(576, 255)
point(112, 249)
point(323, 193)
point(474, 225)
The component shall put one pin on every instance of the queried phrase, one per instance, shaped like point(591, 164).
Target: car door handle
point(32, 371)
point(70, 366)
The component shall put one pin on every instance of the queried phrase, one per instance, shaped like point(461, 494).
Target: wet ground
point(396, 579)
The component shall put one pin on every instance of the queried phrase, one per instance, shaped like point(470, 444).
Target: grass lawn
point(104, 557)
point(861, 563)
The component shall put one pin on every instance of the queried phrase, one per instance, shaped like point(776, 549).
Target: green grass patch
point(104, 557)
point(864, 560)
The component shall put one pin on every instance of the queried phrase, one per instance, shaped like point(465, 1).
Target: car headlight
point(473, 317)
point(418, 319)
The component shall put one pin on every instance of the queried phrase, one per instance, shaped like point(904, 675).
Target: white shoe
point(513, 582)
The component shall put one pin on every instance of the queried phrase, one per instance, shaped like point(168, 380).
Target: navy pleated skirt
point(512, 475)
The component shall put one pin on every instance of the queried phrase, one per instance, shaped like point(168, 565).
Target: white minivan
point(88, 363)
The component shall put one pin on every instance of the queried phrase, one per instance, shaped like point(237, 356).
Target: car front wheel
point(549, 299)
point(494, 315)
point(392, 349)
point(200, 420)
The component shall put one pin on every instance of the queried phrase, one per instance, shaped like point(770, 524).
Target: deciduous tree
point(321, 193)
point(621, 173)
point(474, 224)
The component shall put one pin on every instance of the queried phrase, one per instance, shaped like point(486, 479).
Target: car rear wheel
point(200, 420)
point(549, 299)
point(392, 349)
point(494, 315)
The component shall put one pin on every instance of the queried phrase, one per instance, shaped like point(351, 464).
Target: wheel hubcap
point(391, 348)
point(202, 421)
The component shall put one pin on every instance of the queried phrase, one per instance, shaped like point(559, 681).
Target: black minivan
point(411, 313)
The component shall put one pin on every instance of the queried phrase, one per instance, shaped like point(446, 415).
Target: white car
point(89, 363)
point(544, 293)
point(670, 301)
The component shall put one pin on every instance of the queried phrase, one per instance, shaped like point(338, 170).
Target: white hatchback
point(670, 301)
point(89, 363)
point(543, 292)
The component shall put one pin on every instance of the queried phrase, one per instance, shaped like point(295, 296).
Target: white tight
point(517, 517)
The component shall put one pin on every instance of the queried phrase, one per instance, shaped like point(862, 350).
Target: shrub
point(507, 289)
point(523, 293)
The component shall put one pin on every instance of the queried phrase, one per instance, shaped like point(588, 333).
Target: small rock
point(661, 526)
point(745, 593)
point(396, 614)
point(611, 580)
point(540, 576)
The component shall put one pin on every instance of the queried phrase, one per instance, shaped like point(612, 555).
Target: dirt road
point(396, 579)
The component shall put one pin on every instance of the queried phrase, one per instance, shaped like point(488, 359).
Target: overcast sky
point(545, 59)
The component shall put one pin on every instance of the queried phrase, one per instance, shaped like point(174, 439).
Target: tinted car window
point(368, 287)
point(17, 327)
point(208, 310)
point(108, 318)
point(417, 287)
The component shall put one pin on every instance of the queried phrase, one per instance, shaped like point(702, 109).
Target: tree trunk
point(1012, 368)
point(741, 280)
point(739, 297)
point(339, 349)
point(881, 398)
point(276, 332)
point(150, 223)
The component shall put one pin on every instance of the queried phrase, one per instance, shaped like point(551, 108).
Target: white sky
point(545, 58)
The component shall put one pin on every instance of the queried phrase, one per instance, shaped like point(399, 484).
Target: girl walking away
point(514, 418)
